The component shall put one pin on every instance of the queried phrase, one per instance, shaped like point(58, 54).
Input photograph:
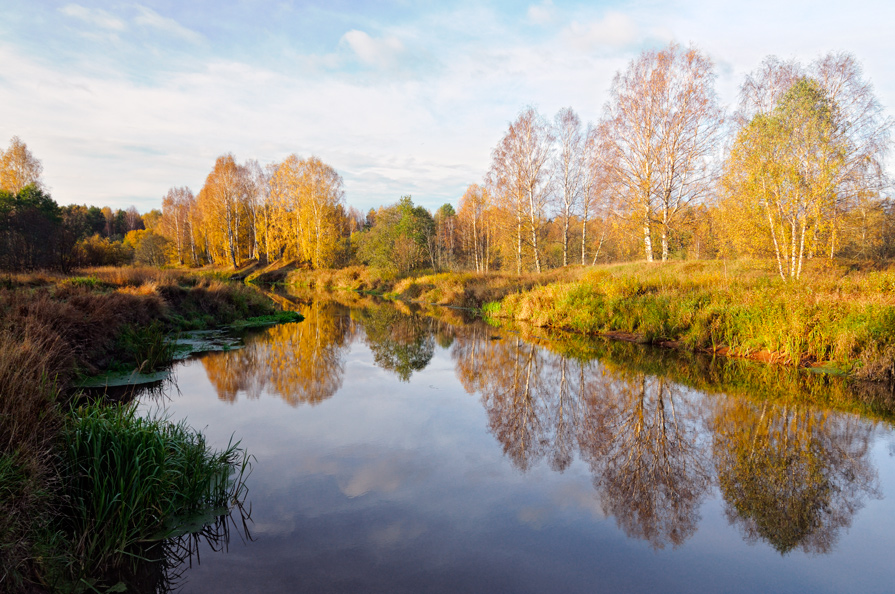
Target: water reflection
point(658, 431)
point(792, 477)
point(402, 343)
point(162, 567)
point(639, 434)
point(302, 363)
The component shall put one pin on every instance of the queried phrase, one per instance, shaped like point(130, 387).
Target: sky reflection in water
point(398, 452)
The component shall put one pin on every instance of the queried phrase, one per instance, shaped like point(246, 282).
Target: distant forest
point(795, 171)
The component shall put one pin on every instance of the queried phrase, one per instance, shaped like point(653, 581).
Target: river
point(401, 452)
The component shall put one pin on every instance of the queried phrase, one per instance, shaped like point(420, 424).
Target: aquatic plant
point(147, 346)
point(130, 480)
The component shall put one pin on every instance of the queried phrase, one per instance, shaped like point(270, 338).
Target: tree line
point(795, 171)
point(35, 232)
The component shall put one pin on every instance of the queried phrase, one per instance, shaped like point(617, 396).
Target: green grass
point(90, 282)
point(131, 480)
point(843, 318)
point(722, 376)
point(282, 317)
point(80, 491)
point(146, 348)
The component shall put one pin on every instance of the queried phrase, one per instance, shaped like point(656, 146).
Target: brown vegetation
point(54, 328)
point(473, 290)
point(838, 316)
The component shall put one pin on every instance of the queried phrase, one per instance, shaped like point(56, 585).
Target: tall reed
point(131, 480)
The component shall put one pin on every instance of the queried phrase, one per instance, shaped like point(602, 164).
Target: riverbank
point(840, 317)
point(55, 330)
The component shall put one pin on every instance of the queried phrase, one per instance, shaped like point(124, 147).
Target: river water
point(401, 452)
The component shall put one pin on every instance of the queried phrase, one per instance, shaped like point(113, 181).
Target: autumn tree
point(222, 200)
point(569, 170)
point(782, 171)
point(148, 247)
point(473, 212)
point(595, 189)
point(663, 124)
point(18, 167)
point(856, 136)
point(176, 222)
point(519, 179)
point(306, 203)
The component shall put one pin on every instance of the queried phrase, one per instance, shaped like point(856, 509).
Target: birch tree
point(831, 138)
point(663, 125)
point(176, 221)
point(473, 213)
point(223, 203)
point(784, 168)
point(520, 177)
point(595, 188)
point(18, 167)
point(569, 170)
point(306, 197)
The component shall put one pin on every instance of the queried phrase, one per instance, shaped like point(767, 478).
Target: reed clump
point(132, 480)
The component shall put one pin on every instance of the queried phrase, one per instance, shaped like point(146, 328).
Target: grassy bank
point(727, 376)
point(838, 316)
point(456, 289)
point(55, 528)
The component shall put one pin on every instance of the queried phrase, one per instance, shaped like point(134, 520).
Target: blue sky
point(123, 100)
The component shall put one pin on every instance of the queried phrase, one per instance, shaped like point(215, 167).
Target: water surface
point(397, 452)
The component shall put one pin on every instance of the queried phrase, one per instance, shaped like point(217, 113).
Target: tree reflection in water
point(792, 476)
point(640, 436)
point(301, 362)
point(644, 448)
point(402, 343)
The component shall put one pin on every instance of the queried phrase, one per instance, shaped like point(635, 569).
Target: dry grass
point(14, 280)
point(29, 421)
point(53, 328)
point(135, 276)
point(352, 278)
point(838, 313)
point(473, 290)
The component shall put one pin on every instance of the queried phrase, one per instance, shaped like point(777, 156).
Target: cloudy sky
point(123, 100)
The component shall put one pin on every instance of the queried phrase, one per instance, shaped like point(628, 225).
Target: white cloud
point(382, 53)
point(149, 18)
point(399, 126)
point(94, 16)
point(614, 30)
point(541, 14)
